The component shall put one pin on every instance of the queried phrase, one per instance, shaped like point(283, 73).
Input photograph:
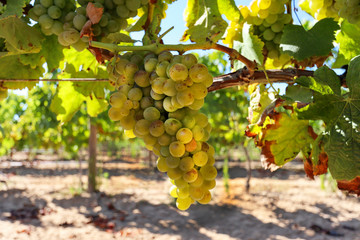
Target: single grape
point(156, 96)
point(196, 193)
point(169, 87)
point(199, 90)
point(172, 162)
point(189, 60)
point(142, 126)
point(168, 106)
point(113, 26)
point(268, 34)
point(79, 21)
point(200, 159)
point(161, 164)
point(208, 184)
point(122, 11)
point(57, 28)
point(181, 183)
point(46, 21)
point(149, 140)
point(183, 192)
point(172, 125)
point(191, 175)
point(157, 129)
point(150, 64)
point(39, 10)
point(174, 173)
point(165, 56)
point(183, 203)
point(209, 172)
point(115, 114)
point(184, 135)
point(189, 121)
point(151, 114)
point(198, 182)
point(178, 72)
point(133, 5)
point(177, 149)
point(146, 102)
point(142, 79)
point(198, 72)
point(173, 192)
point(185, 97)
point(206, 198)
point(164, 139)
point(191, 146)
point(46, 3)
point(54, 12)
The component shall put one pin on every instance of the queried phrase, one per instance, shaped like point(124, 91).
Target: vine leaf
point(96, 106)
point(251, 47)
point(302, 44)
point(209, 24)
point(14, 7)
point(341, 114)
point(259, 100)
point(352, 186)
point(20, 38)
point(229, 9)
point(282, 138)
point(94, 13)
point(348, 39)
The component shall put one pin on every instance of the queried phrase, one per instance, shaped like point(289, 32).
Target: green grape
point(198, 132)
point(178, 72)
point(115, 114)
point(70, 16)
point(54, 12)
point(46, 21)
point(128, 122)
point(165, 56)
point(176, 59)
point(157, 129)
point(46, 3)
point(136, 104)
point(151, 114)
point(198, 72)
point(146, 102)
point(128, 104)
point(208, 184)
point(184, 135)
point(133, 5)
point(169, 87)
point(122, 11)
point(206, 198)
point(198, 182)
point(62, 41)
point(156, 96)
point(80, 45)
point(173, 192)
point(164, 151)
point(71, 36)
point(178, 114)
point(200, 159)
point(189, 60)
point(209, 172)
point(113, 26)
point(174, 173)
point(161, 164)
point(135, 94)
point(142, 79)
point(39, 10)
point(208, 80)
point(172, 125)
point(185, 97)
point(172, 162)
point(120, 65)
point(149, 140)
point(164, 139)
point(191, 146)
point(201, 119)
point(31, 15)
point(268, 34)
point(137, 59)
point(168, 106)
point(177, 149)
point(181, 183)
point(189, 121)
point(191, 175)
point(60, 3)
point(277, 27)
point(186, 164)
point(183, 192)
point(81, 11)
point(158, 85)
point(129, 133)
point(133, 14)
point(142, 127)
point(176, 103)
point(57, 28)
point(130, 69)
point(96, 29)
point(197, 104)
point(161, 68)
point(180, 86)
point(196, 193)
point(79, 21)
point(199, 90)
point(150, 64)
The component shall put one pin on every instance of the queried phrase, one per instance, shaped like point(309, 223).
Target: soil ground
point(40, 202)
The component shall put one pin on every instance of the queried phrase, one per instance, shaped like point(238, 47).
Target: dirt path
point(134, 204)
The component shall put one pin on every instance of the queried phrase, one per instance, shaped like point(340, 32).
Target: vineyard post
point(92, 158)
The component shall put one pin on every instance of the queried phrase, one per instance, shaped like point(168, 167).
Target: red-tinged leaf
point(94, 13)
point(267, 158)
point(308, 167)
point(352, 186)
point(100, 54)
point(322, 166)
point(87, 30)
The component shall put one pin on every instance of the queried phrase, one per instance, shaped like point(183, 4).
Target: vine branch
point(181, 48)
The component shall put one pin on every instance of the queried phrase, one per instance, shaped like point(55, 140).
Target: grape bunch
point(349, 9)
point(62, 18)
point(320, 9)
point(158, 100)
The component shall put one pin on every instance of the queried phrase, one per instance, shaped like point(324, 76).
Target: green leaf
point(298, 94)
point(259, 100)
point(229, 9)
point(341, 114)
point(138, 25)
point(118, 38)
point(66, 102)
point(302, 44)
point(348, 39)
point(12, 67)
point(209, 24)
point(20, 37)
point(93, 88)
point(96, 106)
point(14, 7)
point(251, 47)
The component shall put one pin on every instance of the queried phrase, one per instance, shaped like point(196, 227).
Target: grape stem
point(181, 48)
point(243, 77)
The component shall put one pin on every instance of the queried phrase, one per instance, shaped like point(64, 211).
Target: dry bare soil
point(133, 203)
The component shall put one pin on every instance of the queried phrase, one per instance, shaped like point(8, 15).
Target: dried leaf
point(94, 13)
point(87, 30)
point(352, 186)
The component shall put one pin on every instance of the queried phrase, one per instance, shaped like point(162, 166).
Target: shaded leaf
point(302, 44)
point(348, 39)
point(14, 7)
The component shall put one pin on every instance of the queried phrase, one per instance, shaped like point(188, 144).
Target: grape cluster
point(349, 9)
point(269, 19)
point(60, 17)
point(158, 100)
point(320, 9)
